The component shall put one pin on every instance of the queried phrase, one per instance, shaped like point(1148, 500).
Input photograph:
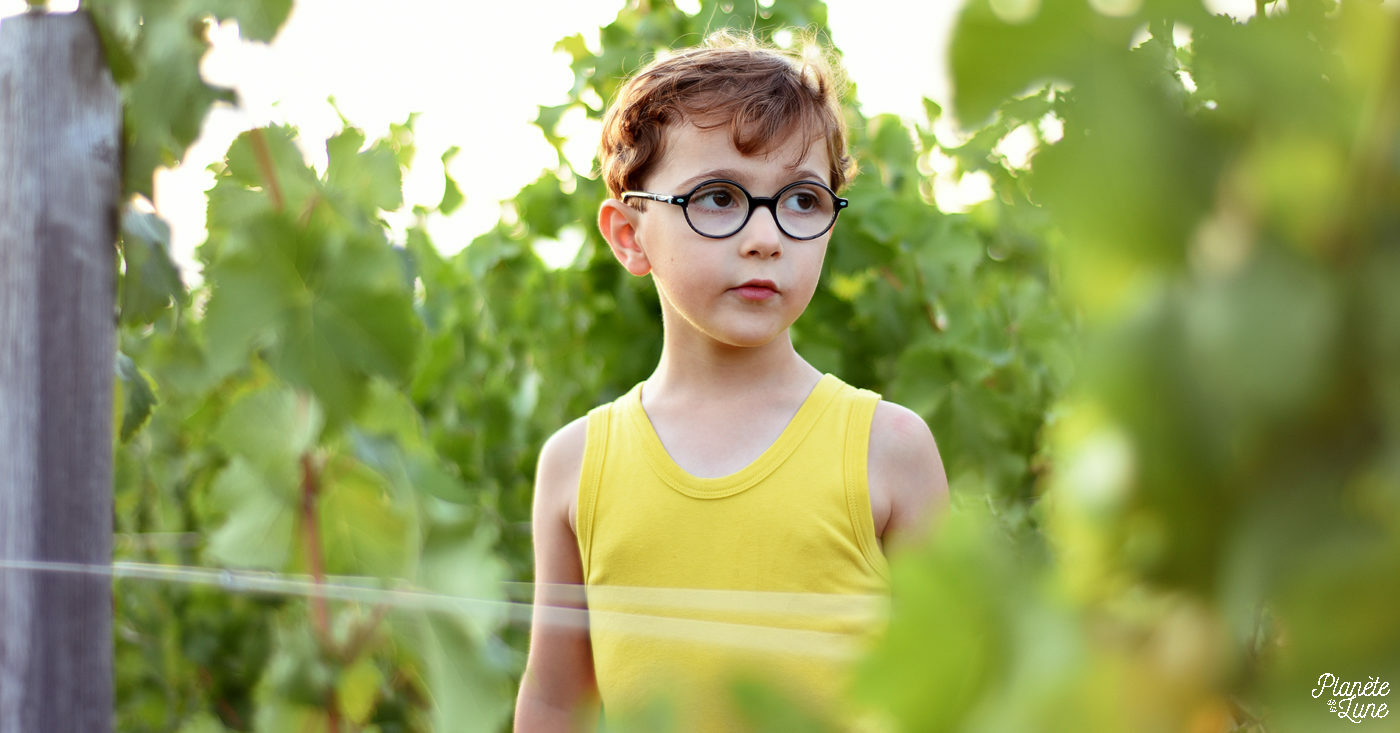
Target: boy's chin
point(737, 333)
point(744, 341)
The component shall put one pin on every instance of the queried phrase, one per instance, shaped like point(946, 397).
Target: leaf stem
point(320, 613)
point(226, 711)
point(362, 635)
point(311, 536)
point(265, 165)
point(332, 711)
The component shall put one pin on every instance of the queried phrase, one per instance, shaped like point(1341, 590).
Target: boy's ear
point(618, 223)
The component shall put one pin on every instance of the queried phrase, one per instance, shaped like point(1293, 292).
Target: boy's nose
point(761, 236)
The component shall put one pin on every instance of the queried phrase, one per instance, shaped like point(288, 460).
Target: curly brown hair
point(762, 93)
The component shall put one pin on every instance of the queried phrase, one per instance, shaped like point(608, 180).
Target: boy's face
point(746, 289)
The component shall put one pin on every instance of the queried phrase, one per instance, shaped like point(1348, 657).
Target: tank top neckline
point(760, 468)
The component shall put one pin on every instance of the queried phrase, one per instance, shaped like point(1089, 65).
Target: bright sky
point(476, 72)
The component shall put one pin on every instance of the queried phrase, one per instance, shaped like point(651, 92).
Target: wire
point(767, 621)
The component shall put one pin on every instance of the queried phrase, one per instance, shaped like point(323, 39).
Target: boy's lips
point(757, 290)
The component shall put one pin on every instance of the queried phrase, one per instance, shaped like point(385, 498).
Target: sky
point(475, 73)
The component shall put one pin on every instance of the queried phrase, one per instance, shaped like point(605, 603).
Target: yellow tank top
point(772, 573)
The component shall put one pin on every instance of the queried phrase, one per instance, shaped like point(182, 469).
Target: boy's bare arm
point(906, 473)
point(558, 691)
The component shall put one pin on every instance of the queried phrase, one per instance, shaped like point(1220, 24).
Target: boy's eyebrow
point(801, 174)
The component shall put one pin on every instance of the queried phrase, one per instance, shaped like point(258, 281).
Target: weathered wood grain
point(60, 124)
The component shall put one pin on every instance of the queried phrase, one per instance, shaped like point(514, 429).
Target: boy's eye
point(718, 196)
point(803, 201)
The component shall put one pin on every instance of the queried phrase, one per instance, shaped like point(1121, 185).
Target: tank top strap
point(862, 404)
point(600, 427)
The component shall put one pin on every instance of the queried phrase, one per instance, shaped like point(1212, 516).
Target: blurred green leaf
point(371, 176)
point(134, 398)
point(150, 282)
point(362, 530)
point(258, 20)
point(357, 689)
point(269, 427)
point(260, 518)
point(467, 695)
point(451, 193)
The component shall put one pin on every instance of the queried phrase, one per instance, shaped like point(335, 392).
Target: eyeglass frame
point(768, 202)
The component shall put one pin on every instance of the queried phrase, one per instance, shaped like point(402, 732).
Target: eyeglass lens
point(720, 208)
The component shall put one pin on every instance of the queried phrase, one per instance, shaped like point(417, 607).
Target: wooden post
point(60, 162)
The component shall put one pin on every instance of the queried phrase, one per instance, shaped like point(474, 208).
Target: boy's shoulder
point(901, 430)
point(906, 478)
point(558, 469)
point(563, 450)
point(566, 441)
point(560, 465)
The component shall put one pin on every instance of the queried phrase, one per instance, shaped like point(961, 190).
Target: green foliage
point(285, 442)
point(1222, 500)
point(304, 273)
point(150, 282)
point(154, 48)
point(134, 396)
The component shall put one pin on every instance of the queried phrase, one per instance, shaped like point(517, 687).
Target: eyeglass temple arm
point(677, 200)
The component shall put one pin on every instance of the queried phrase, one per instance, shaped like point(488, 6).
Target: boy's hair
point(764, 95)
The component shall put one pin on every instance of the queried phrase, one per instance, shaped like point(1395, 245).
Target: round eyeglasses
point(720, 208)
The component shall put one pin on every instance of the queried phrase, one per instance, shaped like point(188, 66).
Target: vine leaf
point(154, 49)
point(150, 281)
point(326, 306)
point(258, 20)
point(363, 530)
point(357, 689)
point(134, 398)
point(451, 193)
point(370, 177)
point(270, 427)
point(258, 530)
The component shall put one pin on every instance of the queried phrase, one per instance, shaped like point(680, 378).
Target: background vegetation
point(1162, 363)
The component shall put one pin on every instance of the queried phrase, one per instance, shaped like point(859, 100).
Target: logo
point(1346, 699)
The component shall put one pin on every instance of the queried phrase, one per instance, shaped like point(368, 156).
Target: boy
point(721, 513)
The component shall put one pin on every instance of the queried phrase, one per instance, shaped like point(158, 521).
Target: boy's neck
point(699, 370)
